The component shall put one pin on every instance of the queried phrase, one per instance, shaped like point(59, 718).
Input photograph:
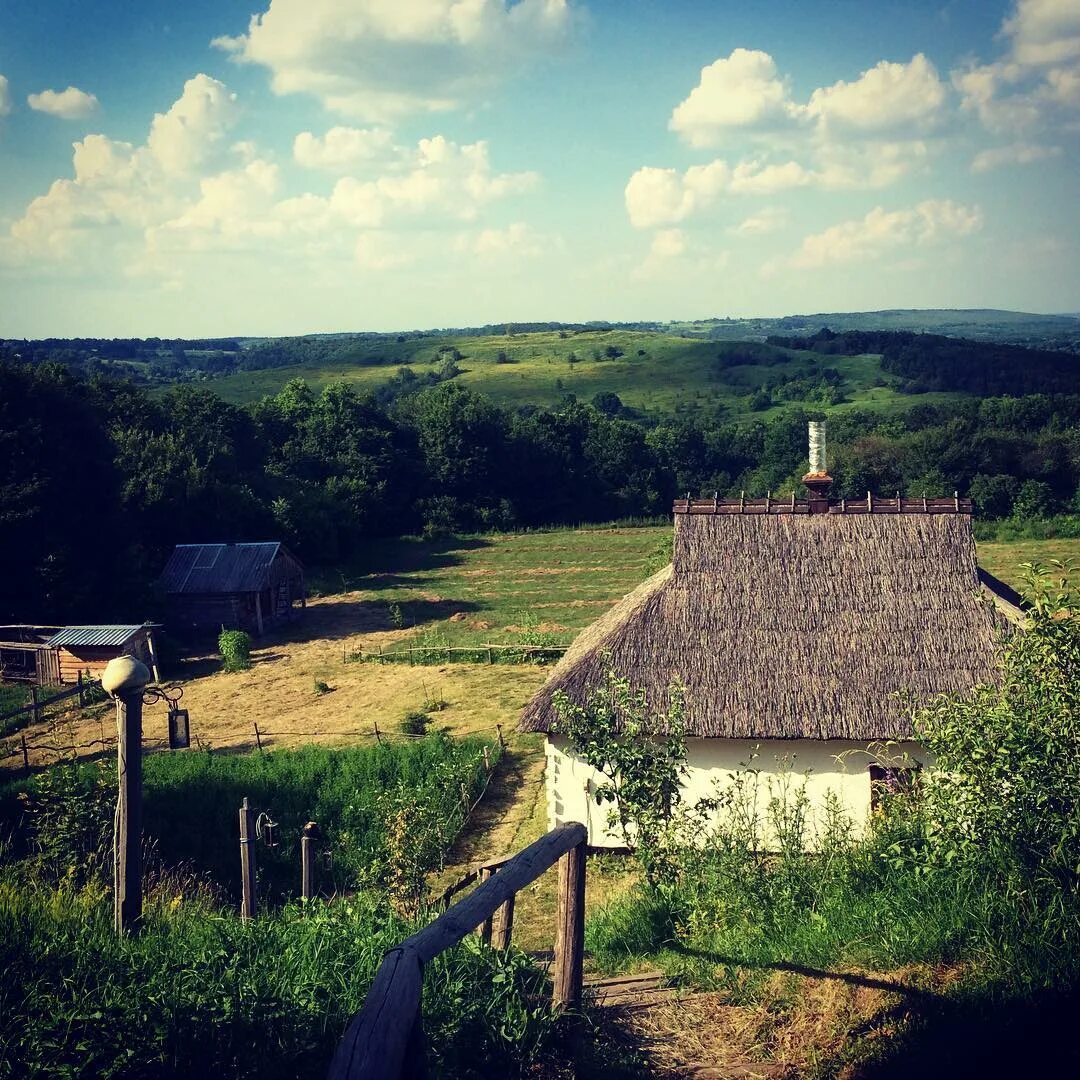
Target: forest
point(98, 478)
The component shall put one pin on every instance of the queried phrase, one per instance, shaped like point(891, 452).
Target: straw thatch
point(797, 626)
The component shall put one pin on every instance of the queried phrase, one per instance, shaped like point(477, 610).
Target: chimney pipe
point(818, 479)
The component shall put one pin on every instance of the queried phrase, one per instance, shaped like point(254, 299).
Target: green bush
point(413, 723)
point(235, 649)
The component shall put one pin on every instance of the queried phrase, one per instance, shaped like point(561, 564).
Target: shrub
point(235, 649)
point(413, 723)
point(641, 753)
point(322, 687)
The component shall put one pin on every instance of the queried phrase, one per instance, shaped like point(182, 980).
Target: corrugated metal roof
point(218, 568)
point(93, 635)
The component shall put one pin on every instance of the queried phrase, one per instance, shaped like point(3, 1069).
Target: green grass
point(657, 372)
point(199, 993)
point(506, 588)
point(500, 588)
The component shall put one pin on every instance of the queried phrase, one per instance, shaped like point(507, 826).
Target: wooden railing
point(385, 1040)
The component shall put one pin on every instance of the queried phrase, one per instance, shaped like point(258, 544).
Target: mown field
point(656, 372)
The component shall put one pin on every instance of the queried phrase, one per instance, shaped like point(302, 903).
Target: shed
point(241, 586)
point(88, 649)
point(801, 630)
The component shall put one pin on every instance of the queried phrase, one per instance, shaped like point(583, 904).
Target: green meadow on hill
point(649, 371)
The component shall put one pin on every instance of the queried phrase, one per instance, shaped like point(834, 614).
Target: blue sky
point(292, 166)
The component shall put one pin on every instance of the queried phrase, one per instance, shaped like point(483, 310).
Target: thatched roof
point(797, 624)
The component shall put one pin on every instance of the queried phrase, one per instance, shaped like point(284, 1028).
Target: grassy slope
point(671, 372)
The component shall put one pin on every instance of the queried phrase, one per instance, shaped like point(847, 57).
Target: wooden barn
point(88, 649)
point(796, 627)
point(48, 655)
point(237, 586)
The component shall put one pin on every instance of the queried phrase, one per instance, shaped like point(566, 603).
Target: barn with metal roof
point(87, 649)
point(241, 586)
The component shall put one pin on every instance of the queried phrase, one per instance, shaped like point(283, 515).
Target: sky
point(272, 167)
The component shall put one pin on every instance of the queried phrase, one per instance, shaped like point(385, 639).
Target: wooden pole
point(34, 710)
point(307, 860)
point(502, 741)
point(247, 861)
point(258, 737)
point(82, 701)
point(154, 669)
point(258, 613)
point(570, 929)
point(504, 925)
point(485, 926)
point(25, 756)
point(127, 853)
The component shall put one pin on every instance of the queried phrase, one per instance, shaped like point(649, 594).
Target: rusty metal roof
point(94, 635)
point(219, 568)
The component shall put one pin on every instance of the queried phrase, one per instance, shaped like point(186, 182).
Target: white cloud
point(183, 138)
point(381, 59)
point(1014, 154)
point(767, 220)
point(756, 178)
point(341, 148)
point(886, 96)
point(1037, 78)
point(439, 177)
point(742, 90)
point(518, 240)
point(668, 244)
point(1045, 32)
point(69, 104)
point(5, 96)
point(880, 231)
point(657, 197)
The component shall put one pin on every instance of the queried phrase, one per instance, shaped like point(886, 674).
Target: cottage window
point(889, 781)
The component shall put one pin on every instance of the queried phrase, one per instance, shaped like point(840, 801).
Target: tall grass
point(201, 993)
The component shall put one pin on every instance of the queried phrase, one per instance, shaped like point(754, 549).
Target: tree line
point(99, 479)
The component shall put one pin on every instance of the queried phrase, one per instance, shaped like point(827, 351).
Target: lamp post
point(124, 679)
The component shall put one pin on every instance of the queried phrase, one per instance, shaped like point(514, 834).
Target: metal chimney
point(818, 479)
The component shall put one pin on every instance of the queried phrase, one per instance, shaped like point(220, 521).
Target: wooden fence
point(385, 1039)
point(37, 703)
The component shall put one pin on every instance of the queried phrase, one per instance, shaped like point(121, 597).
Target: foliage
point(1009, 781)
point(413, 723)
point(201, 993)
point(641, 753)
point(978, 865)
point(322, 687)
point(235, 649)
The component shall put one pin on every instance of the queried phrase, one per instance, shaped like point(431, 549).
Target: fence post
point(247, 861)
point(570, 929)
point(82, 702)
point(502, 741)
point(258, 737)
point(504, 925)
point(124, 678)
point(307, 860)
point(25, 756)
point(485, 926)
point(34, 709)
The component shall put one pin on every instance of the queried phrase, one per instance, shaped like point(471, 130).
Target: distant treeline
point(98, 480)
point(934, 362)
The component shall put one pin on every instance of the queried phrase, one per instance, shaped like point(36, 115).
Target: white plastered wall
point(834, 765)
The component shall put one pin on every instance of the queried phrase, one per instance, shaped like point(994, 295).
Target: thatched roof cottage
point(794, 626)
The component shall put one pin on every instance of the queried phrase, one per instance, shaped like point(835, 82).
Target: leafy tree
point(641, 753)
